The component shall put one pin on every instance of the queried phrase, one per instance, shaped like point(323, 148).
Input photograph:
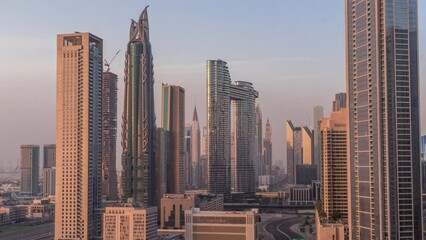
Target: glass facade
point(384, 119)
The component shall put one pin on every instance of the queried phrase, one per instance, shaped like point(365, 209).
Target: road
point(40, 232)
point(280, 229)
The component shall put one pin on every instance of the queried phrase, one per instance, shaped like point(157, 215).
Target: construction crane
point(107, 64)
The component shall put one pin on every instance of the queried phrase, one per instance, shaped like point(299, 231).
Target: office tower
point(305, 174)
point(49, 155)
point(138, 133)
point(109, 135)
point(307, 146)
point(195, 150)
point(187, 159)
point(220, 93)
point(339, 101)
point(162, 158)
point(294, 150)
point(30, 157)
point(334, 165)
point(49, 181)
point(423, 158)
point(203, 159)
point(78, 136)
point(216, 225)
point(318, 115)
point(131, 221)
point(258, 161)
point(383, 105)
point(173, 120)
point(267, 149)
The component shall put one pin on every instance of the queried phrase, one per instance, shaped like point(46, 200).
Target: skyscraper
point(318, 115)
point(49, 181)
point(187, 159)
point(30, 158)
point(49, 155)
point(195, 150)
point(162, 157)
point(173, 120)
point(383, 103)
point(267, 149)
point(339, 101)
point(423, 158)
point(334, 165)
point(138, 133)
point(294, 150)
point(109, 135)
point(307, 146)
point(220, 93)
point(258, 161)
point(78, 136)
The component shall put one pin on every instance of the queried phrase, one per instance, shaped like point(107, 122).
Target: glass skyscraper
point(138, 133)
point(383, 98)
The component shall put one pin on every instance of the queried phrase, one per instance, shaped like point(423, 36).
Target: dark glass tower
point(383, 102)
point(139, 126)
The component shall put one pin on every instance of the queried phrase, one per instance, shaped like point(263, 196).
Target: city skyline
point(189, 70)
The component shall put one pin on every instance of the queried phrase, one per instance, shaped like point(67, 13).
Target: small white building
point(221, 225)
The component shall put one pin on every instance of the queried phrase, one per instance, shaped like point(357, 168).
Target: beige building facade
point(130, 223)
point(78, 136)
point(334, 165)
point(221, 225)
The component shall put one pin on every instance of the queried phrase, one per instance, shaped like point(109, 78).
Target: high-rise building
point(30, 158)
point(267, 149)
point(131, 221)
point(383, 104)
point(187, 159)
point(162, 158)
point(78, 136)
point(49, 155)
point(307, 146)
point(423, 158)
point(195, 150)
point(217, 225)
point(318, 115)
point(339, 101)
point(294, 150)
point(334, 166)
point(138, 133)
point(220, 93)
point(49, 181)
point(173, 120)
point(203, 159)
point(109, 135)
point(258, 161)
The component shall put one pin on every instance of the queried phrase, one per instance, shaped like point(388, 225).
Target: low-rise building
point(300, 195)
point(329, 230)
point(221, 225)
point(12, 214)
point(41, 208)
point(131, 221)
point(173, 207)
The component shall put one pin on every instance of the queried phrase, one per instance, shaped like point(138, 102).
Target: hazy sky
point(292, 51)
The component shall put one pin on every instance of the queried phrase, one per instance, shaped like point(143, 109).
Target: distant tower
point(187, 161)
point(173, 120)
point(138, 133)
point(307, 146)
point(109, 135)
point(49, 169)
point(267, 145)
point(30, 158)
point(195, 150)
point(220, 93)
point(318, 115)
point(78, 192)
point(294, 150)
point(339, 102)
point(258, 161)
point(49, 155)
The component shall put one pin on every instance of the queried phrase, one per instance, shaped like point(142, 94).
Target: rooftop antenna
point(107, 64)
